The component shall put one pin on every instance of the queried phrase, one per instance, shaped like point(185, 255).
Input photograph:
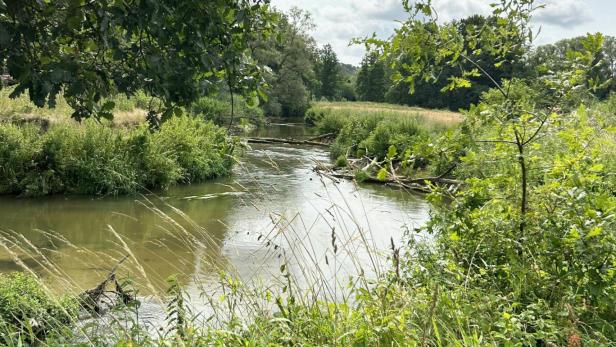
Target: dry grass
point(21, 109)
point(443, 117)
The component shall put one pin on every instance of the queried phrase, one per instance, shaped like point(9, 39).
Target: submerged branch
point(269, 140)
point(415, 184)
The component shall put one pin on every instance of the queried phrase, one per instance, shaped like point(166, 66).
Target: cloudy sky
point(338, 21)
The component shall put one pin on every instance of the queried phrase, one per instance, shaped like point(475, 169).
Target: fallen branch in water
point(268, 140)
point(414, 184)
point(91, 299)
point(321, 137)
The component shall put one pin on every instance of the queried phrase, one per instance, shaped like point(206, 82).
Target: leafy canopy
point(87, 50)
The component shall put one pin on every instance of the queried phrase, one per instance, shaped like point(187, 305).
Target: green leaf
point(594, 232)
point(392, 152)
point(382, 174)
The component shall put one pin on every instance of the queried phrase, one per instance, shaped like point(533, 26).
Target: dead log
point(321, 137)
point(7, 80)
point(90, 299)
point(416, 184)
point(271, 140)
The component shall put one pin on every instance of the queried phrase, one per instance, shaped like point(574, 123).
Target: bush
point(97, 159)
point(314, 115)
point(18, 147)
point(332, 123)
point(218, 110)
point(200, 149)
point(28, 312)
point(342, 161)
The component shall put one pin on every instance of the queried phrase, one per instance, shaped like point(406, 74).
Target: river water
point(274, 210)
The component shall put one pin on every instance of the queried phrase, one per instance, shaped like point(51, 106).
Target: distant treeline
point(377, 81)
point(300, 71)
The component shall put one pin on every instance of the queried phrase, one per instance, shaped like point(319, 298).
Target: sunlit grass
point(441, 117)
point(128, 111)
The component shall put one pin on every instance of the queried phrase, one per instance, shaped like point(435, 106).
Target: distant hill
point(348, 69)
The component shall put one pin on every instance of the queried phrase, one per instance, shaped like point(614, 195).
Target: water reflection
point(274, 210)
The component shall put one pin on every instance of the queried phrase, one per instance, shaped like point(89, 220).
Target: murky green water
point(273, 210)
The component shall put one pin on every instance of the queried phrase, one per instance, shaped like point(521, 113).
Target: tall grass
point(402, 297)
point(372, 131)
point(97, 159)
point(128, 111)
point(426, 116)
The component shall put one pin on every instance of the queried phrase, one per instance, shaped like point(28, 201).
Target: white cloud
point(339, 21)
point(448, 10)
point(564, 13)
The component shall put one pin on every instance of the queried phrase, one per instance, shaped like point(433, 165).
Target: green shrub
point(201, 149)
point(218, 110)
point(314, 115)
point(92, 159)
point(28, 312)
point(97, 159)
point(331, 123)
point(18, 148)
point(342, 161)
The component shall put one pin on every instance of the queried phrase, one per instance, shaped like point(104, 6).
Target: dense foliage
point(28, 313)
point(218, 110)
point(372, 79)
point(86, 50)
point(291, 57)
point(328, 72)
point(413, 137)
point(97, 159)
point(385, 78)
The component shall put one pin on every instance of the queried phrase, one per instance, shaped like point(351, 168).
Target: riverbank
point(45, 152)
point(273, 213)
point(98, 159)
point(391, 144)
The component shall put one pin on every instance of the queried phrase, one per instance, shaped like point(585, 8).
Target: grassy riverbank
point(44, 152)
point(99, 159)
point(131, 111)
point(374, 131)
point(440, 117)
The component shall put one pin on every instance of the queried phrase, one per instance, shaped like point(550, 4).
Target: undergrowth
point(97, 159)
point(414, 137)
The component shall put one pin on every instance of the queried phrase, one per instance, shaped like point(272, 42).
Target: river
point(274, 210)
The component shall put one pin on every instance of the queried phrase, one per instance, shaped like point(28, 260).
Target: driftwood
point(321, 137)
point(414, 184)
point(269, 140)
point(91, 300)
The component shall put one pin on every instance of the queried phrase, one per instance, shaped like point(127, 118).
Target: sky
point(338, 21)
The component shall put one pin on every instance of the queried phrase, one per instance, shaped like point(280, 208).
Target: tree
point(552, 58)
point(530, 221)
point(290, 55)
point(328, 73)
point(87, 50)
point(372, 79)
point(428, 92)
